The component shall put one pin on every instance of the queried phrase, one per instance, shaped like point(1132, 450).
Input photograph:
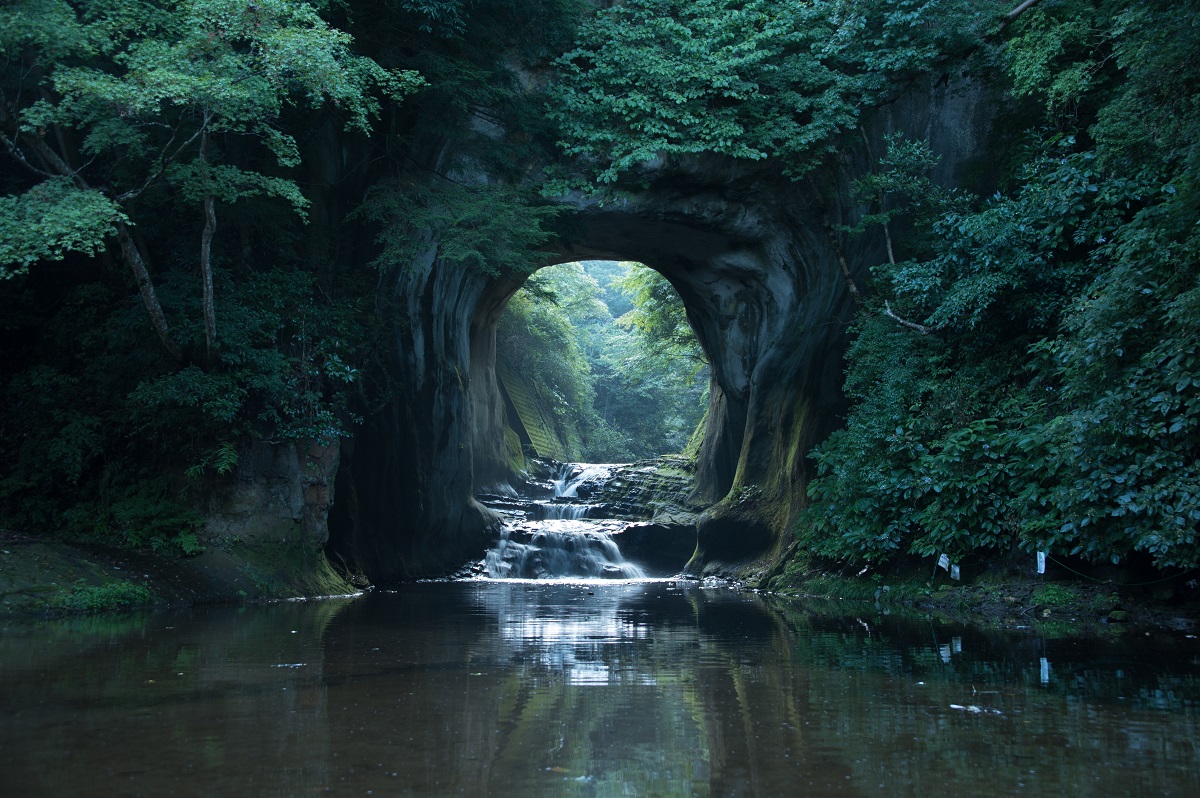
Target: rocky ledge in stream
point(642, 507)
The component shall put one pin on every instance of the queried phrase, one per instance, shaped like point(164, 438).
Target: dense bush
point(1053, 401)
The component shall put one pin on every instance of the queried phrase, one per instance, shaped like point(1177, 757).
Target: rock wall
point(281, 496)
point(412, 470)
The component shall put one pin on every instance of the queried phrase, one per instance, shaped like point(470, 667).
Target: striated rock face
point(659, 489)
point(282, 496)
point(757, 262)
point(409, 475)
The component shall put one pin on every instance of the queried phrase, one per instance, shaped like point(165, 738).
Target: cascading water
point(558, 549)
point(560, 511)
point(556, 539)
point(573, 475)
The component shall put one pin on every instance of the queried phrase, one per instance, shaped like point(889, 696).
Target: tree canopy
point(749, 79)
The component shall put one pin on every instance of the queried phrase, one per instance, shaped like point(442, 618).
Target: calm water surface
point(527, 689)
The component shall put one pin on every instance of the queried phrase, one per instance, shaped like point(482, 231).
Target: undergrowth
point(115, 595)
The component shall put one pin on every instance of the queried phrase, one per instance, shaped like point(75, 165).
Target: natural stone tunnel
point(755, 259)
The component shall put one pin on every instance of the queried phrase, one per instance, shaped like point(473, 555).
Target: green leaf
point(51, 220)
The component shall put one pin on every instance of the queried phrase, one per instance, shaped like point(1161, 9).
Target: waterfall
point(560, 511)
point(557, 549)
point(556, 539)
point(569, 480)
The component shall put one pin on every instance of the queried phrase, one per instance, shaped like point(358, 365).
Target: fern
point(223, 459)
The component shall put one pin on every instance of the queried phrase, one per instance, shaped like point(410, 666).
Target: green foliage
point(231, 65)
point(143, 87)
point(148, 519)
point(901, 186)
point(1058, 54)
point(1056, 403)
point(1054, 595)
point(752, 80)
point(118, 594)
point(222, 459)
point(49, 221)
point(537, 339)
point(491, 228)
point(283, 366)
point(446, 16)
point(658, 319)
point(100, 435)
point(626, 395)
point(916, 470)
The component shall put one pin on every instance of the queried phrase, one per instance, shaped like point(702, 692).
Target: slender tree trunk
point(133, 258)
point(210, 309)
point(1011, 16)
point(210, 227)
point(841, 256)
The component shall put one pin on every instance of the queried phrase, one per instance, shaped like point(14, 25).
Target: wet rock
point(649, 489)
point(281, 496)
point(662, 549)
point(505, 504)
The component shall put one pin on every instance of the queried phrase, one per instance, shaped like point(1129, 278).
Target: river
point(590, 688)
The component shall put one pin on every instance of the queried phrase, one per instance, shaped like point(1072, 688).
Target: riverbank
point(40, 578)
point(1001, 595)
point(44, 578)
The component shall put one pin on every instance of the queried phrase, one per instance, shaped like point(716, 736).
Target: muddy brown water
point(493, 688)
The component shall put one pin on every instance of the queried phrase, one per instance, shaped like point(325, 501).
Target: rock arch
point(756, 260)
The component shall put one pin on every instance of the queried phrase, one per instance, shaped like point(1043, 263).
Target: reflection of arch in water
point(645, 689)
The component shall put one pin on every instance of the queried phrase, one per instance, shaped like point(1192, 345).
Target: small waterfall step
point(558, 549)
point(589, 477)
point(558, 511)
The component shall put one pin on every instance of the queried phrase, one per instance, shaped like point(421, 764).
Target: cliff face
point(757, 261)
point(409, 474)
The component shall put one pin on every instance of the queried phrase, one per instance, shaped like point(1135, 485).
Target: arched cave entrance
point(766, 298)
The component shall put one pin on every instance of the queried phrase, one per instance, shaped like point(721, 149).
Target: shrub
point(115, 595)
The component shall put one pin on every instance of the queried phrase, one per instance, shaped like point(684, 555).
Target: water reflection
point(637, 688)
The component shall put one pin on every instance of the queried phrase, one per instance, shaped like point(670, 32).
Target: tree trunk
point(129, 250)
point(210, 310)
point(841, 256)
point(133, 258)
point(210, 227)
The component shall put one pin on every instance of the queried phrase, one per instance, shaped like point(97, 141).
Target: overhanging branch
point(903, 322)
point(1011, 16)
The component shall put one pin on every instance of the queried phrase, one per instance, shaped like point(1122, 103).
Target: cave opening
point(764, 299)
point(596, 362)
